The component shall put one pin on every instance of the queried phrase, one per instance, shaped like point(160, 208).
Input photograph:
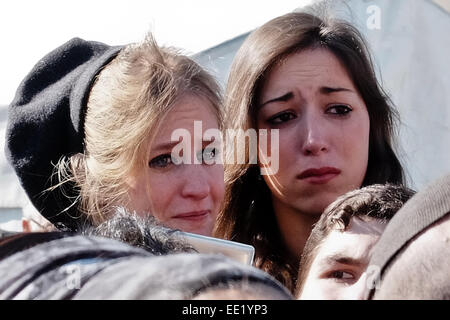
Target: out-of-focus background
point(409, 40)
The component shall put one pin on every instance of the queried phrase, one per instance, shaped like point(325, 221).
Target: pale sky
point(30, 29)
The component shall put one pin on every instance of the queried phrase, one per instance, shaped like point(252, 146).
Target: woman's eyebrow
point(328, 90)
point(165, 146)
point(285, 97)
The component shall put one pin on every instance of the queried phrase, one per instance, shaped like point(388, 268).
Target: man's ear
point(26, 226)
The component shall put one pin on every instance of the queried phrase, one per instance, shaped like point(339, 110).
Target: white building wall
point(218, 59)
point(12, 196)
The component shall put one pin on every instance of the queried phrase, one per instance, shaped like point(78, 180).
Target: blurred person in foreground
point(413, 254)
point(157, 265)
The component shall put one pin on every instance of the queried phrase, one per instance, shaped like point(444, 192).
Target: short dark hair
point(378, 201)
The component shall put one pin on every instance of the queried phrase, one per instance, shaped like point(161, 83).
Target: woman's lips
point(319, 175)
point(193, 215)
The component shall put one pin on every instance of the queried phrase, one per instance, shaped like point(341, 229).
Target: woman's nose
point(314, 140)
point(195, 182)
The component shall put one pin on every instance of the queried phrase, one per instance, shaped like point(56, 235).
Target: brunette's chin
point(313, 204)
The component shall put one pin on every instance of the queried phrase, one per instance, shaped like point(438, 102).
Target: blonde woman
point(91, 126)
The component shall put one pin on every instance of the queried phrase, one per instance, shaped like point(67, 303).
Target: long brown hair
point(248, 215)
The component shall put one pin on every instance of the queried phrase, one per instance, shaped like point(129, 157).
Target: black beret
point(421, 211)
point(46, 122)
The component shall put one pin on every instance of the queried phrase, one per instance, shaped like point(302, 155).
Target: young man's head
point(338, 249)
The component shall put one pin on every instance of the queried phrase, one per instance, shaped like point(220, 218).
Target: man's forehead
point(366, 225)
point(354, 243)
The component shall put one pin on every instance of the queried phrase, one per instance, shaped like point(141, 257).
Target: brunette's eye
point(161, 161)
point(339, 109)
point(281, 118)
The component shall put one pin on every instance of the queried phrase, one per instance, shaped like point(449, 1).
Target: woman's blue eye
point(339, 109)
point(281, 118)
point(161, 161)
point(207, 154)
point(210, 153)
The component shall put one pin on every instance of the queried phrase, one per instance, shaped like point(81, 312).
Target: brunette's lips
point(193, 215)
point(319, 175)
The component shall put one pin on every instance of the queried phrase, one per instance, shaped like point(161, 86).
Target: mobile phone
point(243, 253)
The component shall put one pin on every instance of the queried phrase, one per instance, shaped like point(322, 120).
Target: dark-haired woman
point(312, 79)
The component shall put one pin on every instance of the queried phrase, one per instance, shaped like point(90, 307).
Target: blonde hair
point(127, 103)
